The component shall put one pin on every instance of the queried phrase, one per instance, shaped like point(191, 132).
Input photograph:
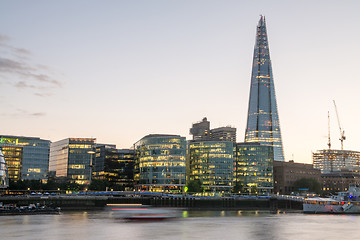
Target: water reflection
point(192, 225)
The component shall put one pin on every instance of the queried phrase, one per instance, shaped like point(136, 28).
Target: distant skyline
point(120, 70)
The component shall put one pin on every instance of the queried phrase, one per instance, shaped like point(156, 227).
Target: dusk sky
point(119, 70)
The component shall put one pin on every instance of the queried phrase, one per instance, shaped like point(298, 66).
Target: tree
point(238, 188)
point(195, 186)
point(308, 183)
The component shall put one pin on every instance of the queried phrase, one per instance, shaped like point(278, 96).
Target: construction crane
point(329, 140)
point(342, 132)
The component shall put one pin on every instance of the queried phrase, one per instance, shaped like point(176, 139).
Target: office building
point(227, 134)
point(71, 159)
point(263, 124)
point(339, 181)
point(160, 163)
point(4, 179)
point(331, 160)
point(211, 163)
point(253, 167)
point(114, 166)
point(27, 157)
point(201, 130)
point(287, 173)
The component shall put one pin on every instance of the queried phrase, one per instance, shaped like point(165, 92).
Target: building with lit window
point(114, 166)
point(263, 124)
point(339, 181)
point(331, 160)
point(287, 173)
point(27, 157)
point(201, 130)
point(71, 159)
point(160, 162)
point(227, 134)
point(4, 178)
point(253, 167)
point(211, 163)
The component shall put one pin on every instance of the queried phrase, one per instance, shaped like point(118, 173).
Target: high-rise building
point(211, 163)
point(263, 119)
point(114, 166)
point(26, 157)
point(331, 160)
point(160, 162)
point(223, 134)
point(201, 130)
point(71, 158)
point(253, 167)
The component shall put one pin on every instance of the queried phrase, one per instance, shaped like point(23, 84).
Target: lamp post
point(91, 152)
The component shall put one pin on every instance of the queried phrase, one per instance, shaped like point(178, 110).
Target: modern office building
point(263, 124)
point(287, 173)
point(160, 163)
point(253, 167)
point(115, 167)
point(4, 178)
point(227, 134)
point(71, 159)
point(211, 163)
point(331, 160)
point(201, 130)
point(27, 157)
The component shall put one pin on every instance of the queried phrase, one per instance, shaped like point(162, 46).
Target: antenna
point(342, 132)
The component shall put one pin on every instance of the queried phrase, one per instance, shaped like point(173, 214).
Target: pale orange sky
point(120, 70)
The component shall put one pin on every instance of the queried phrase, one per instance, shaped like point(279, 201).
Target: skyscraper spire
point(263, 120)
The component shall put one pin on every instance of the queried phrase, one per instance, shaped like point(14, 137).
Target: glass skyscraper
point(263, 119)
point(160, 162)
point(27, 158)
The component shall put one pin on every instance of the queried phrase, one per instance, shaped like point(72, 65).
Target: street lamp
point(91, 152)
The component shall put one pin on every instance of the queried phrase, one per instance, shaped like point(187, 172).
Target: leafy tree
point(312, 184)
point(238, 188)
point(97, 185)
point(195, 186)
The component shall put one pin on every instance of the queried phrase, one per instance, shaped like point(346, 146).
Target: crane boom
point(342, 132)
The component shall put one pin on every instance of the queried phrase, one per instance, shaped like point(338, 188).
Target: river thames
point(98, 225)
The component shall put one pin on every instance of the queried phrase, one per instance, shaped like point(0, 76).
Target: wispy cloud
point(24, 113)
point(24, 74)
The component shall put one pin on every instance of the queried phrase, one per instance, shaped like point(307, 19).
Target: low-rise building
point(287, 173)
point(332, 160)
point(339, 181)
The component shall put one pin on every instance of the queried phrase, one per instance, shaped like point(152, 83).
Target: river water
point(102, 225)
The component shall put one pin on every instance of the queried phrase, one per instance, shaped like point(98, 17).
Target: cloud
point(24, 113)
point(27, 75)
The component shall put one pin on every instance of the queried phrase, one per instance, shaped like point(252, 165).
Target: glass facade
point(27, 157)
point(263, 119)
point(253, 167)
point(4, 177)
point(71, 158)
point(160, 162)
point(211, 162)
point(336, 160)
point(115, 166)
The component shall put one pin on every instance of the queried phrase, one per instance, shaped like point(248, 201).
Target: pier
point(89, 202)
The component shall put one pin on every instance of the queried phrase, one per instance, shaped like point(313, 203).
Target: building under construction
point(331, 160)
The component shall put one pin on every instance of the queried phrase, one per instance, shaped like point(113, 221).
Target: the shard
point(263, 119)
